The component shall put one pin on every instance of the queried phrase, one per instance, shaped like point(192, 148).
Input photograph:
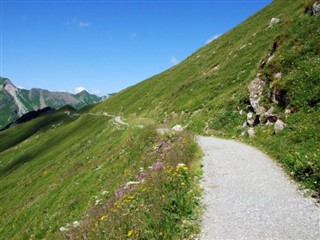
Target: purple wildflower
point(120, 192)
point(157, 165)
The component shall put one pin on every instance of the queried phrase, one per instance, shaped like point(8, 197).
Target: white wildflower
point(63, 229)
point(104, 192)
point(76, 224)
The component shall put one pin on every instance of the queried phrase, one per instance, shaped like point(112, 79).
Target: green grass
point(55, 176)
point(208, 90)
point(297, 148)
point(162, 201)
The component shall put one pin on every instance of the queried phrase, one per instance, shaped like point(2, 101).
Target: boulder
point(261, 111)
point(244, 124)
point(249, 115)
point(277, 75)
point(251, 132)
point(279, 126)
point(250, 122)
point(316, 8)
point(256, 88)
point(250, 119)
point(269, 112)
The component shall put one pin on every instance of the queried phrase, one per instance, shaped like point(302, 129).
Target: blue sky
point(106, 46)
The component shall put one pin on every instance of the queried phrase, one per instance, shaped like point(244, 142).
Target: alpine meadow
point(117, 169)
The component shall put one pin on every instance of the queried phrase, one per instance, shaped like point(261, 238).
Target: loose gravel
point(247, 196)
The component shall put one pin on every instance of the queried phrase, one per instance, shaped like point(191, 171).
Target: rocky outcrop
point(262, 87)
point(279, 126)
point(251, 132)
point(316, 8)
point(256, 88)
point(14, 92)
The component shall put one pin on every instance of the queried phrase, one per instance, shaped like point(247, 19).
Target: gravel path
point(118, 120)
point(247, 196)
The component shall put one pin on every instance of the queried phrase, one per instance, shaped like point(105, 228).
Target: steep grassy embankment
point(81, 168)
point(209, 90)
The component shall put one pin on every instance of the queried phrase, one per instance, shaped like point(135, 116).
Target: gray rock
point(269, 112)
point(251, 132)
point(249, 115)
point(256, 88)
point(316, 8)
point(279, 126)
point(250, 122)
point(274, 21)
point(277, 75)
point(261, 111)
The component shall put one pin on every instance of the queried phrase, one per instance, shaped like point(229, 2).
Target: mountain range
point(15, 102)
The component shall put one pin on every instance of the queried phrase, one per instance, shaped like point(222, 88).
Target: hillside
point(253, 79)
point(73, 174)
point(15, 102)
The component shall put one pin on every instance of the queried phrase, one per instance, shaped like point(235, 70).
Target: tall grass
point(76, 169)
point(160, 199)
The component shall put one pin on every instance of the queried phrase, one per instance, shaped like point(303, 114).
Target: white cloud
point(174, 61)
point(214, 37)
point(79, 89)
point(96, 91)
point(84, 24)
point(20, 87)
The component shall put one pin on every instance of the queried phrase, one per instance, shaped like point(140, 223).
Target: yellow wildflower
point(103, 217)
point(130, 233)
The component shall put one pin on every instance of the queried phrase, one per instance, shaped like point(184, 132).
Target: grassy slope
point(54, 168)
point(207, 90)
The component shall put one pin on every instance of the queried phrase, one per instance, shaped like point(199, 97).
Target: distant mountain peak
point(15, 102)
